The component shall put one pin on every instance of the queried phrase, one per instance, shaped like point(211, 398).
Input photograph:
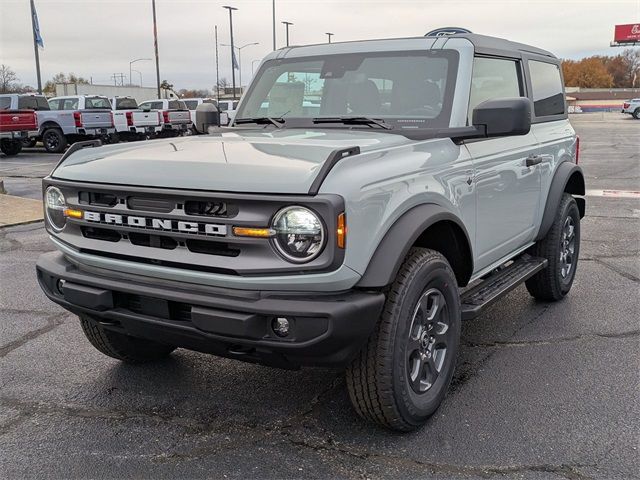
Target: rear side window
point(126, 103)
point(191, 104)
point(5, 103)
point(493, 78)
point(42, 103)
point(546, 86)
point(97, 102)
point(55, 104)
point(69, 104)
point(177, 105)
point(27, 103)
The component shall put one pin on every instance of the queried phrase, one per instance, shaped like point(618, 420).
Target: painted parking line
point(614, 193)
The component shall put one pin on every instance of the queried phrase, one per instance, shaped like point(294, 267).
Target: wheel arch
point(567, 179)
point(49, 124)
point(429, 226)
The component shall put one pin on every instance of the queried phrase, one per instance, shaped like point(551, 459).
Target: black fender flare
point(47, 125)
point(565, 173)
point(401, 236)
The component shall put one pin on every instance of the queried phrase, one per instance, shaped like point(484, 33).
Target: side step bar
point(476, 299)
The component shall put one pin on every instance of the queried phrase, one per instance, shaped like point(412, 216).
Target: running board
point(476, 299)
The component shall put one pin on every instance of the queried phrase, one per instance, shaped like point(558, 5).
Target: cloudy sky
point(97, 38)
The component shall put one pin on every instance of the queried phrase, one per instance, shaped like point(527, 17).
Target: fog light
point(280, 326)
point(60, 285)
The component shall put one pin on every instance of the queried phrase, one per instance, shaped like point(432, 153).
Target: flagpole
point(35, 45)
point(155, 44)
point(217, 69)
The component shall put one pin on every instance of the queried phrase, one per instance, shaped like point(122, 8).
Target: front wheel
point(561, 247)
point(11, 147)
point(123, 347)
point(402, 374)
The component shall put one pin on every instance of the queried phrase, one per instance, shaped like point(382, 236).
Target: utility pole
point(287, 26)
point(233, 64)
point(217, 69)
point(329, 34)
point(118, 76)
point(155, 45)
point(273, 15)
point(37, 39)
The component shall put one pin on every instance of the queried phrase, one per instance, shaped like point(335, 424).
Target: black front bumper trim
point(327, 329)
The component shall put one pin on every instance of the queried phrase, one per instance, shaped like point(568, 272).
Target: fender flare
point(564, 173)
point(47, 125)
point(394, 246)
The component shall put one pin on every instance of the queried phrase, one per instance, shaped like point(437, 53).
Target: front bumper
point(327, 329)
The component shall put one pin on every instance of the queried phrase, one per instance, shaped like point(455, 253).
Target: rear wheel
point(402, 374)
point(636, 113)
point(54, 140)
point(561, 247)
point(123, 347)
point(11, 147)
point(29, 142)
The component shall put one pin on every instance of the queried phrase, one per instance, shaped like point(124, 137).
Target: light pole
point(253, 65)
point(273, 19)
point(287, 25)
point(329, 34)
point(155, 45)
point(240, 56)
point(233, 70)
point(131, 63)
point(139, 73)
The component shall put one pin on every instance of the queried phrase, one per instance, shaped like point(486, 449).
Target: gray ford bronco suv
point(368, 197)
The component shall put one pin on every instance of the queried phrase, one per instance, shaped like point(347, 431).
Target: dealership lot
point(541, 390)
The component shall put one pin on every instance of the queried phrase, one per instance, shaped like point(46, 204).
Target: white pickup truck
point(74, 118)
point(132, 123)
point(174, 116)
point(192, 104)
point(632, 107)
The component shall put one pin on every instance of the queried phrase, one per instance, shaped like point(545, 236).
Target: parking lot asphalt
point(541, 390)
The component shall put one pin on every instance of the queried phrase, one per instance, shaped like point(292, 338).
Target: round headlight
point(54, 205)
point(299, 234)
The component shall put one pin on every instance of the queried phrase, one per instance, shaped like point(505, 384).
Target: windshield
point(406, 89)
point(126, 103)
point(97, 102)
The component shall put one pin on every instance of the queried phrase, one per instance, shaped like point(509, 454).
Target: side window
point(493, 78)
point(191, 104)
point(27, 103)
point(156, 105)
point(546, 86)
point(42, 103)
point(55, 104)
point(69, 104)
point(5, 103)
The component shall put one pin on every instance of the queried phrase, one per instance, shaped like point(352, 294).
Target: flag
point(234, 62)
point(36, 26)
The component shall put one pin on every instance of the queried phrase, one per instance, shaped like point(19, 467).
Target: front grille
point(188, 229)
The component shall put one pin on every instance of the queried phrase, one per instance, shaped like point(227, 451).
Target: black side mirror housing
point(503, 117)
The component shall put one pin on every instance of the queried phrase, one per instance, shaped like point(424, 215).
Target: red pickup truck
point(16, 126)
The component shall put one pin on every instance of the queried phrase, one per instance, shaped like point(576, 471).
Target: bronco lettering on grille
point(156, 223)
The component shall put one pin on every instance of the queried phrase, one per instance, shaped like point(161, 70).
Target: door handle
point(533, 160)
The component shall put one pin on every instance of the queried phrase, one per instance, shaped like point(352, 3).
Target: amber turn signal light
point(69, 212)
point(341, 231)
point(253, 232)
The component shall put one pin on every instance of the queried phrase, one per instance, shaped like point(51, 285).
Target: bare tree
point(8, 79)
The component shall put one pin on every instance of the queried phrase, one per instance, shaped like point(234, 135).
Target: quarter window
point(546, 84)
point(5, 103)
point(493, 78)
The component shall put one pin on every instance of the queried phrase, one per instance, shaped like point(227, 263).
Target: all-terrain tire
point(54, 140)
point(552, 283)
point(123, 347)
point(379, 379)
point(10, 147)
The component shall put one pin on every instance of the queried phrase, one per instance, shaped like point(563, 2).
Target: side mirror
point(503, 117)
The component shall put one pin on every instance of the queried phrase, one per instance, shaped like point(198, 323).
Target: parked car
point(192, 104)
point(175, 117)
point(16, 125)
point(632, 107)
point(440, 174)
point(228, 107)
point(26, 101)
point(131, 122)
point(74, 118)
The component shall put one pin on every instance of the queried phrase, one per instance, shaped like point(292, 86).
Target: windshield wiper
point(278, 122)
point(354, 121)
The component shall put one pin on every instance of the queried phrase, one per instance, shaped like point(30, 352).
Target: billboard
point(629, 33)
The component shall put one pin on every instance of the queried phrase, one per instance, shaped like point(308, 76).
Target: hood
point(280, 161)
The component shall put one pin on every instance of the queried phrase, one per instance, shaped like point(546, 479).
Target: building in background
point(598, 99)
point(141, 94)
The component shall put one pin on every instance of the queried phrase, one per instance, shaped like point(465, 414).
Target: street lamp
point(287, 25)
point(233, 70)
point(139, 73)
point(239, 56)
point(131, 63)
point(329, 34)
